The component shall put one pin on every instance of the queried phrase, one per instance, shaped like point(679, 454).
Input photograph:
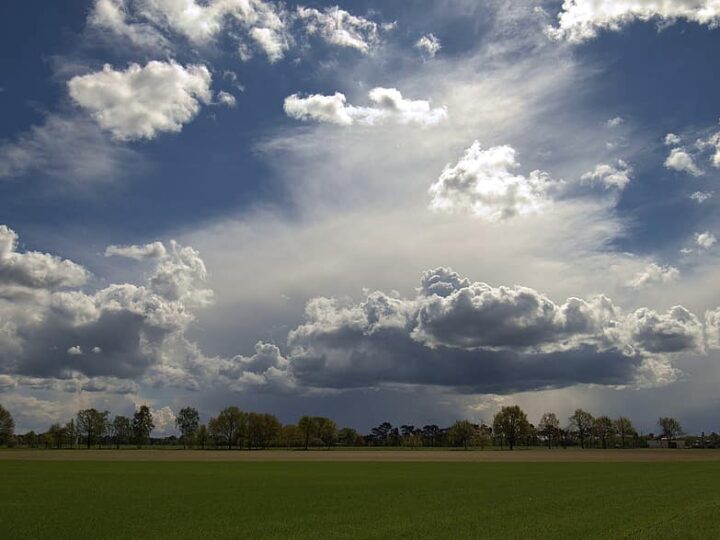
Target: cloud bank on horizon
point(232, 201)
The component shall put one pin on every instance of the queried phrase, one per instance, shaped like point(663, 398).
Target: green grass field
point(358, 500)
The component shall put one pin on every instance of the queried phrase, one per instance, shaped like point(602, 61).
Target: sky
point(413, 212)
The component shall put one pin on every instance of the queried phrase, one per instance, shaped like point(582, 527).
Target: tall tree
point(431, 433)
point(604, 429)
point(670, 428)
point(229, 427)
point(202, 436)
point(262, 430)
point(7, 427)
point(187, 421)
point(581, 422)
point(326, 430)
point(624, 429)
point(511, 424)
point(121, 430)
point(308, 428)
point(142, 425)
point(548, 427)
point(92, 424)
point(57, 435)
point(461, 433)
point(349, 437)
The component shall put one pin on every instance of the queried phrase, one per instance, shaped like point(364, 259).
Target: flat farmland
point(370, 454)
point(336, 497)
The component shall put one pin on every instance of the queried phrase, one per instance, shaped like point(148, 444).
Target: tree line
point(236, 429)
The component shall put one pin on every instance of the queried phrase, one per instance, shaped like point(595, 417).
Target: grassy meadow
point(87, 499)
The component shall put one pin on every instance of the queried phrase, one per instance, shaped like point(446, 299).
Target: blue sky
point(549, 167)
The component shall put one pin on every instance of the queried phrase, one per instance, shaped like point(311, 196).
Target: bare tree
point(549, 426)
point(624, 429)
point(670, 428)
point(7, 427)
point(581, 422)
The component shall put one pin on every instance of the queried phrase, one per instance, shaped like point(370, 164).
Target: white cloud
point(69, 148)
point(701, 196)
point(47, 323)
point(672, 140)
point(273, 43)
point(142, 102)
point(712, 143)
point(429, 45)
point(654, 273)
point(113, 15)
point(615, 122)
point(340, 28)
point(484, 183)
point(611, 176)
point(226, 99)
point(34, 269)
point(150, 23)
point(155, 250)
point(680, 160)
point(705, 240)
point(581, 20)
point(388, 105)
point(163, 419)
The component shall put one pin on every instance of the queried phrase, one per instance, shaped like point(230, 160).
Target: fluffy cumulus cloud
point(267, 26)
point(340, 28)
point(712, 143)
point(705, 240)
point(485, 183)
point(653, 274)
point(681, 160)
point(143, 101)
point(152, 23)
point(429, 45)
point(51, 329)
point(386, 105)
point(226, 98)
point(581, 20)
point(611, 176)
point(671, 139)
point(479, 338)
point(32, 269)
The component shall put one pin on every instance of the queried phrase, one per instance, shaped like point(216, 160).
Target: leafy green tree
point(121, 430)
point(511, 424)
point(57, 435)
point(549, 427)
point(229, 427)
point(461, 433)
point(92, 425)
point(7, 427)
point(290, 436)
point(581, 422)
point(187, 421)
point(604, 429)
point(72, 433)
point(308, 427)
point(670, 428)
point(202, 436)
point(326, 430)
point(262, 429)
point(431, 433)
point(142, 425)
point(349, 437)
point(624, 429)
